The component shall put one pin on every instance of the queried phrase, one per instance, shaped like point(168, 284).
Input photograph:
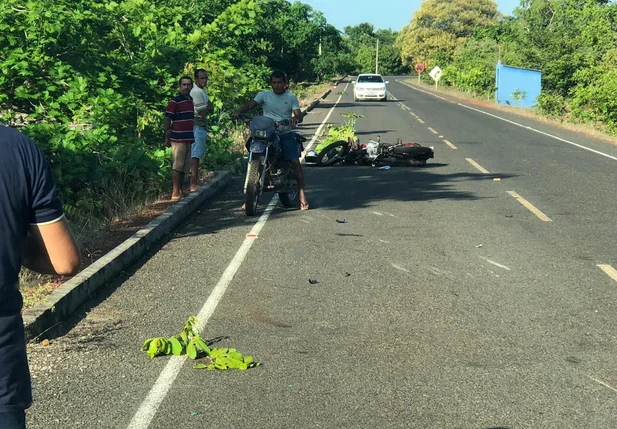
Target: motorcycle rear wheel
point(333, 153)
point(252, 187)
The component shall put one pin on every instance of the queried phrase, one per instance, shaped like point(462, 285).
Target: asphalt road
point(447, 299)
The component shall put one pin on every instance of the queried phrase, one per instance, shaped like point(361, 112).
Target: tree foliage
point(88, 80)
point(572, 42)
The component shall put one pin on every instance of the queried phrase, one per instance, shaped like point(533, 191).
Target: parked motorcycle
point(371, 153)
point(268, 171)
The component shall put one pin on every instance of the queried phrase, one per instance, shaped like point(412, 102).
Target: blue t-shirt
point(27, 196)
point(277, 107)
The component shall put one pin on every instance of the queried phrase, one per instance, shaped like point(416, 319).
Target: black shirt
point(27, 196)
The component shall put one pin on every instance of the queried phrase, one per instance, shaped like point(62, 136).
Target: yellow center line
point(478, 166)
point(432, 130)
point(420, 120)
point(609, 270)
point(449, 144)
point(530, 207)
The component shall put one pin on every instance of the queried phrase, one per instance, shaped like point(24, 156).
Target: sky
point(382, 14)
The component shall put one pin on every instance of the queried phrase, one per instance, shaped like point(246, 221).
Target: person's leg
point(13, 420)
point(198, 149)
point(290, 152)
point(176, 183)
point(181, 163)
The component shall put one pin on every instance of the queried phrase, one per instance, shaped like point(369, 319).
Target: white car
point(370, 87)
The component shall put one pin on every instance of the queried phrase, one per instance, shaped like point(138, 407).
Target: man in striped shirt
point(179, 120)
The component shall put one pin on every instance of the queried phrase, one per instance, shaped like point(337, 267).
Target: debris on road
point(340, 221)
point(313, 282)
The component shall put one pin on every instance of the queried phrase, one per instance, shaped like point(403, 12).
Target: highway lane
point(442, 302)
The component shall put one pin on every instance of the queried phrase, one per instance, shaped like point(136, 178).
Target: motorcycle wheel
point(252, 188)
point(333, 153)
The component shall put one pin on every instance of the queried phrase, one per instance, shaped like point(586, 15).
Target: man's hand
point(167, 141)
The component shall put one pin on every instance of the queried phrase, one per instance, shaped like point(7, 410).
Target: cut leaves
point(190, 343)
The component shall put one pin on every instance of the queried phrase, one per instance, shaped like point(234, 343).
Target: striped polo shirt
point(181, 111)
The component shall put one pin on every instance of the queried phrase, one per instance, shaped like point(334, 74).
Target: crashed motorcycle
point(267, 170)
point(371, 153)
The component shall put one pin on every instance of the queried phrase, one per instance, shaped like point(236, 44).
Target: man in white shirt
point(203, 106)
point(278, 105)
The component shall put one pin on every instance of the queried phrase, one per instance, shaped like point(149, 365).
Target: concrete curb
point(324, 95)
point(68, 297)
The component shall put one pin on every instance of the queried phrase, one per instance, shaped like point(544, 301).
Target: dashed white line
point(478, 166)
point(530, 207)
point(449, 144)
point(432, 130)
point(609, 270)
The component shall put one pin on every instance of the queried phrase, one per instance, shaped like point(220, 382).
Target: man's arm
point(242, 110)
point(167, 128)
point(51, 249)
point(298, 117)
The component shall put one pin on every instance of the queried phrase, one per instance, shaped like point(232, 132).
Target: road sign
point(419, 67)
point(436, 74)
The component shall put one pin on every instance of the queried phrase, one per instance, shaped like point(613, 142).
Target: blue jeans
point(13, 420)
point(198, 148)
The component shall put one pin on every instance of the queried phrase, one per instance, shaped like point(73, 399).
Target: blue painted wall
point(527, 82)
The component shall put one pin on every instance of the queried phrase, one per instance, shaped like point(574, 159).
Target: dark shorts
point(291, 148)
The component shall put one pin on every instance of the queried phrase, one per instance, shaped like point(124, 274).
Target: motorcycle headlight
point(261, 133)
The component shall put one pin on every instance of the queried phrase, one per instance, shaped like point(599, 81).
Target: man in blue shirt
point(278, 105)
point(33, 232)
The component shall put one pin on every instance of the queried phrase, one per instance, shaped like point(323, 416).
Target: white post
point(377, 58)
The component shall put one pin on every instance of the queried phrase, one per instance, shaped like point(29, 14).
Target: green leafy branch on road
point(352, 115)
point(189, 342)
point(335, 133)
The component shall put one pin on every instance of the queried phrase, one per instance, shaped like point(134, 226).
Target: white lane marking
point(398, 267)
point(420, 120)
point(426, 92)
point(495, 263)
point(378, 214)
point(478, 166)
point(449, 144)
point(318, 132)
point(392, 96)
point(603, 383)
point(305, 221)
point(609, 270)
point(389, 214)
point(540, 132)
point(150, 405)
point(530, 207)
point(384, 241)
point(432, 130)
